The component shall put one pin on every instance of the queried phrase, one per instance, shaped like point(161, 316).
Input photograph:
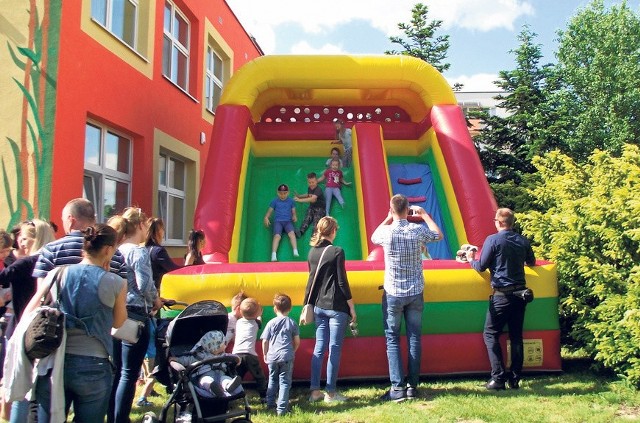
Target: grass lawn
point(576, 395)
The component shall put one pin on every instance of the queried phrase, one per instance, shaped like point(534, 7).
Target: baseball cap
point(283, 187)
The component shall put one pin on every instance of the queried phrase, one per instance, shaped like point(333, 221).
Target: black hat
point(283, 188)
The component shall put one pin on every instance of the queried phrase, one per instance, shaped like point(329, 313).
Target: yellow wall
point(14, 32)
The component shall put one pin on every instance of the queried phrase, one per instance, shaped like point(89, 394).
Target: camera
point(354, 328)
point(412, 212)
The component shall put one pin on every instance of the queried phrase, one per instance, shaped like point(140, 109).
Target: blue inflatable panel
point(426, 188)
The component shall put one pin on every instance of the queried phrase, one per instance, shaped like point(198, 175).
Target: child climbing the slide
point(343, 136)
point(284, 218)
point(334, 178)
point(335, 154)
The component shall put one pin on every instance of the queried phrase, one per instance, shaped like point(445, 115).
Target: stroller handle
point(168, 304)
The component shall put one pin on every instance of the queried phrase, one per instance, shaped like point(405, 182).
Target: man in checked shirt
point(403, 290)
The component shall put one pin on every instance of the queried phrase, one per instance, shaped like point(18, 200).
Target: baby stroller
point(188, 401)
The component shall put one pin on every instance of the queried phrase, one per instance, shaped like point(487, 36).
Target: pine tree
point(420, 40)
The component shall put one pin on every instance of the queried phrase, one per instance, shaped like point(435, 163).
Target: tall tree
point(420, 40)
point(597, 101)
point(508, 144)
point(590, 229)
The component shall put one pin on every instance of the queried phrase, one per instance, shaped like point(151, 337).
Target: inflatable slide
point(274, 125)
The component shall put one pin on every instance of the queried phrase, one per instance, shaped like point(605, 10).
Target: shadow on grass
point(578, 379)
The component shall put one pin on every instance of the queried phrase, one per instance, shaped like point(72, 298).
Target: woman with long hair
point(93, 300)
point(142, 300)
point(32, 236)
point(161, 262)
point(195, 244)
point(333, 306)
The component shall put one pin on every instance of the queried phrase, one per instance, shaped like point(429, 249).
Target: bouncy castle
point(274, 125)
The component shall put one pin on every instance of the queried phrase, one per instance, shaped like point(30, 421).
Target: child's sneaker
point(142, 402)
point(274, 257)
point(336, 397)
point(295, 253)
point(316, 398)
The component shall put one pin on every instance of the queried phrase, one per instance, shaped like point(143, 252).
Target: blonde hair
point(325, 227)
point(127, 223)
point(250, 308)
point(38, 230)
point(118, 223)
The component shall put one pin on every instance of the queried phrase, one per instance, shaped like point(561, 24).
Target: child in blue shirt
point(284, 218)
point(280, 340)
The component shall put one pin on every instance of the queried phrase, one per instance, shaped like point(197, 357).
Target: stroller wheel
point(150, 417)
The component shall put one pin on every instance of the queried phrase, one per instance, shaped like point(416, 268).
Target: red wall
point(95, 83)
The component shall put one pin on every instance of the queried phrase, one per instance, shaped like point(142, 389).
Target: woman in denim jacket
point(93, 300)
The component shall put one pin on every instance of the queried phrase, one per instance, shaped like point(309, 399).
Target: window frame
point(211, 80)
point(169, 191)
point(175, 43)
point(108, 23)
point(100, 173)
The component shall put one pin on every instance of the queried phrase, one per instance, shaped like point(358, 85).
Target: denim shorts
point(278, 226)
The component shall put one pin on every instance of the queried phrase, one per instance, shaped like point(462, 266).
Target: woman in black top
point(195, 244)
point(331, 297)
point(161, 263)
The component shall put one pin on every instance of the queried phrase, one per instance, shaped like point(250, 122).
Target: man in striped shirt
point(403, 290)
point(77, 215)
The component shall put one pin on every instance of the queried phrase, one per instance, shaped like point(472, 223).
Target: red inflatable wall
point(213, 214)
point(473, 194)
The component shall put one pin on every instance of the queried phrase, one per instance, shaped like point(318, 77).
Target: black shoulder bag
point(44, 334)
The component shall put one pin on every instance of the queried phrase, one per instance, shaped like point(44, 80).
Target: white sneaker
point(337, 397)
point(274, 257)
point(295, 253)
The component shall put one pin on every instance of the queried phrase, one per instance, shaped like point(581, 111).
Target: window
point(175, 46)
point(213, 83)
point(171, 195)
point(107, 175)
point(120, 17)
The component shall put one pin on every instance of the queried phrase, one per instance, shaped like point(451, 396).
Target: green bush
point(591, 229)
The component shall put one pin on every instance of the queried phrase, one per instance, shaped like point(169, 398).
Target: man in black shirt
point(505, 255)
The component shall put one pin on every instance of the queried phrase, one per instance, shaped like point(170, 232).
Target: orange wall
point(95, 83)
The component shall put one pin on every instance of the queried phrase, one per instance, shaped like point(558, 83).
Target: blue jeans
point(128, 359)
point(19, 411)
point(504, 310)
point(87, 384)
point(330, 327)
point(332, 192)
point(280, 376)
point(393, 309)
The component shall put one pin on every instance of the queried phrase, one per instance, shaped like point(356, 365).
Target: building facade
point(114, 101)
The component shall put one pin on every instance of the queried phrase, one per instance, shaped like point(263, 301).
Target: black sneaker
point(298, 233)
point(396, 395)
point(513, 382)
point(412, 392)
point(495, 385)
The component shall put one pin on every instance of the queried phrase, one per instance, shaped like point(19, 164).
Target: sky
point(482, 32)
